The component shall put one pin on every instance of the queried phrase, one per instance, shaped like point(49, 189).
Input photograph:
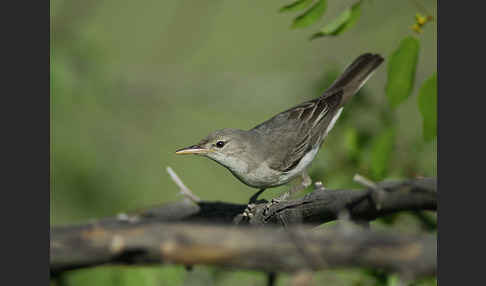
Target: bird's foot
point(248, 213)
point(276, 201)
point(242, 218)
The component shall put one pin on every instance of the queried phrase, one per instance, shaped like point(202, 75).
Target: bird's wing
point(299, 130)
point(305, 126)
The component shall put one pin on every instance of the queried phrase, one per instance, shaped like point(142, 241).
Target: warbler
point(280, 149)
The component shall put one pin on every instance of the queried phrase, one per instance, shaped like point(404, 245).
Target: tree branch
point(170, 234)
point(269, 249)
point(324, 205)
point(320, 206)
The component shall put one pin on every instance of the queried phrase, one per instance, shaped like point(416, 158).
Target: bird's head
point(226, 146)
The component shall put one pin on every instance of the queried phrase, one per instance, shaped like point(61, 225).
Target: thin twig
point(185, 191)
point(377, 192)
point(365, 181)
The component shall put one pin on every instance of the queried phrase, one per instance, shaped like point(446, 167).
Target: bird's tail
point(356, 75)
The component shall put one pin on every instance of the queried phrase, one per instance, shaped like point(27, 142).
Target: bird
point(281, 149)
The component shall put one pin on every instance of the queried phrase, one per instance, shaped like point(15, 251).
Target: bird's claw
point(246, 215)
point(248, 212)
point(275, 201)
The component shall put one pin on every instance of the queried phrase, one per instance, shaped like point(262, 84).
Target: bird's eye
point(220, 144)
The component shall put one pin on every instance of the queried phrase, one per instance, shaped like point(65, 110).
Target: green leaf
point(343, 22)
point(401, 71)
point(311, 15)
point(296, 6)
point(427, 104)
point(381, 152)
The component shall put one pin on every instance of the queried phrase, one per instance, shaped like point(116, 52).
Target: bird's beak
point(194, 149)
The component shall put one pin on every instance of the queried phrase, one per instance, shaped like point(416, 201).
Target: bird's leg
point(248, 212)
point(254, 198)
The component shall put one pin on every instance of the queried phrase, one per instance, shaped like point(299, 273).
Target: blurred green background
point(132, 81)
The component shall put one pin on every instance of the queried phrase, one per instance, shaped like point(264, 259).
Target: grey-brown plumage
point(279, 149)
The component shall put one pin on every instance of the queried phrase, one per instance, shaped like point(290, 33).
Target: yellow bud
point(421, 20)
point(416, 28)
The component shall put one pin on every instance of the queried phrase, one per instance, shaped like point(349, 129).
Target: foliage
point(343, 22)
point(401, 71)
point(402, 63)
point(296, 6)
point(311, 15)
point(427, 102)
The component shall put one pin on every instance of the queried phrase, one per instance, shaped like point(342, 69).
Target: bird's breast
point(265, 177)
point(260, 177)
